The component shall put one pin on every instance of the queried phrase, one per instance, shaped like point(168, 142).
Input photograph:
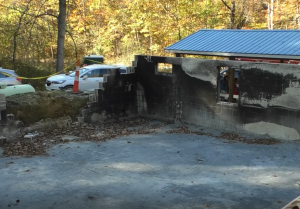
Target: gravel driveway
point(153, 170)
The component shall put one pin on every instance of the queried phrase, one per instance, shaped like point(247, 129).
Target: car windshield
point(82, 70)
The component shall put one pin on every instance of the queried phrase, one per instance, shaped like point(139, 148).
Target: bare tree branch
point(73, 42)
point(17, 31)
point(224, 2)
point(29, 37)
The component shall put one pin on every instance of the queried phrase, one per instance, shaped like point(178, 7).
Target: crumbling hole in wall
point(228, 85)
point(163, 69)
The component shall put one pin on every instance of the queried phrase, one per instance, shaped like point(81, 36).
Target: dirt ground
point(138, 163)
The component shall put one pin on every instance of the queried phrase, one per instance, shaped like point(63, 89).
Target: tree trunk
point(232, 15)
point(232, 12)
point(61, 35)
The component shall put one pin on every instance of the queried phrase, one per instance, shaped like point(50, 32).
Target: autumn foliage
point(120, 29)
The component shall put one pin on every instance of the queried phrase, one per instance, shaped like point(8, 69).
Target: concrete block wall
point(116, 97)
point(269, 95)
point(155, 90)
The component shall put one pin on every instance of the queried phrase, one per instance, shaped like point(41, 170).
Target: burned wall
point(115, 98)
point(268, 101)
point(272, 85)
point(155, 91)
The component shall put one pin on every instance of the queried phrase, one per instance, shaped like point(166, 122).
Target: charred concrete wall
point(268, 101)
point(155, 92)
point(116, 97)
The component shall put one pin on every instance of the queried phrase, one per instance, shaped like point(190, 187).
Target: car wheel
point(68, 88)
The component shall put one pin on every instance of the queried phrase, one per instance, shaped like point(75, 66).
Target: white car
point(89, 77)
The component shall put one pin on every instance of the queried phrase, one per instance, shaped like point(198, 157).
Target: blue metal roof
point(278, 44)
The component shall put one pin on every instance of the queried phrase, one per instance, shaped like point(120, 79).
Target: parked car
point(15, 89)
point(226, 72)
point(9, 77)
point(89, 77)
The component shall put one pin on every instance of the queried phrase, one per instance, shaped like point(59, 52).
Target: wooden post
point(218, 85)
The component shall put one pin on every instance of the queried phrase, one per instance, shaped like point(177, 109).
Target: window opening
point(164, 68)
point(228, 85)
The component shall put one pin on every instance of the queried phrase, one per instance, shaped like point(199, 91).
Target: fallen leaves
point(236, 138)
point(231, 137)
point(185, 130)
point(107, 131)
point(85, 132)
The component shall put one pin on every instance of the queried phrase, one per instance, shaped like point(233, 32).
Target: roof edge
point(224, 54)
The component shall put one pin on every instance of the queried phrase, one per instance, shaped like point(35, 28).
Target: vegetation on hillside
point(120, 29)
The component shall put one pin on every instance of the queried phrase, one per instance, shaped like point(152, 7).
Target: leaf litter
point(103, 132)
point(85, 132)
point(230, 136)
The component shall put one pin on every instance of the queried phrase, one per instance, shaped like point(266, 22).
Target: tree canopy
point(120, 29)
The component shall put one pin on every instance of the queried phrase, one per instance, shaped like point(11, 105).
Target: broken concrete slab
point(28, 138)
point(295, 204)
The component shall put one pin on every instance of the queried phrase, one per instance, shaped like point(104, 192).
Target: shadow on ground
point(156, 170)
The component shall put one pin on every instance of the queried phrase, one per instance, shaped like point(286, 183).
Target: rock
point(100, 134)
point(69, 138)
point(10, 117)
point(63, 122)
point(18, 124)
point(30, 137)
point(80, 120)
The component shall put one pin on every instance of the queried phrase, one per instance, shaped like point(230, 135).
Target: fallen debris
point(185, 130)
point(231, 137)
point(38, 143)
point(236, 138)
